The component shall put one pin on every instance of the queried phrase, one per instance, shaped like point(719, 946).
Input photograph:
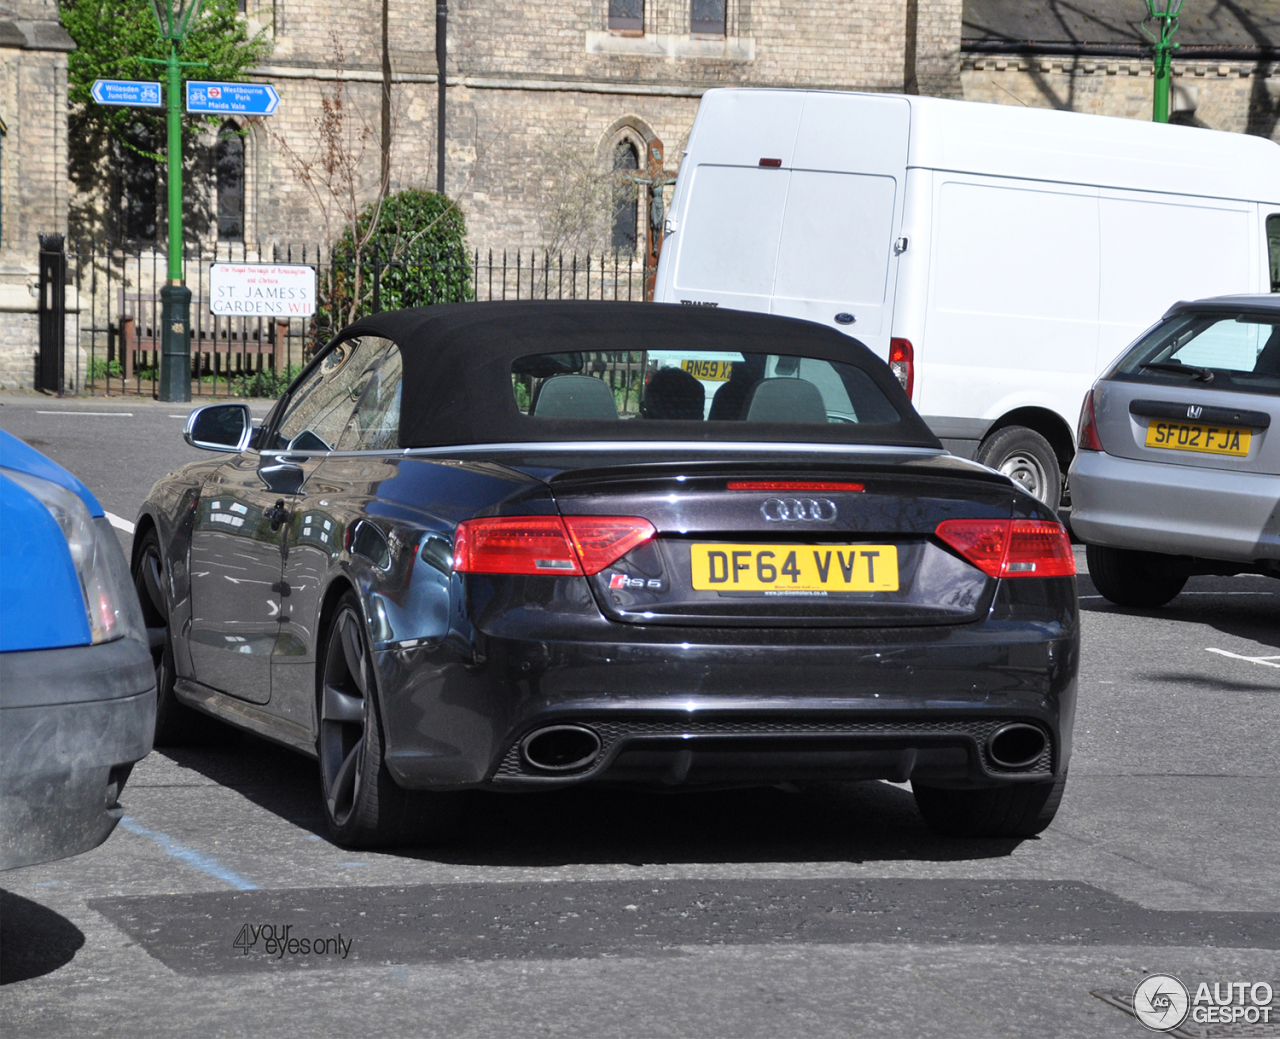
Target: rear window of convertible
point(698, 386)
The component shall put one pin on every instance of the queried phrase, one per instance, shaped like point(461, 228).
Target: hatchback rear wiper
point(1178, 368)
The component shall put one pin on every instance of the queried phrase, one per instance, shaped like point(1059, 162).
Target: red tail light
point(902, 363)
point(602, 540)
point(1087, 436)
point(1012, 548)
point(546, 544)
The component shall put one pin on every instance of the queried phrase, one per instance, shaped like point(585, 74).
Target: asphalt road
point(832, 912)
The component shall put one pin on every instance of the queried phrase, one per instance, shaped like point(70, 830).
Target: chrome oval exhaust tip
point(560, 748)
point(1016, 746)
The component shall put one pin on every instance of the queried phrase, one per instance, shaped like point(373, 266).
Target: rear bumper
point(899, 704)
point(1174, 509)
point(72, 724)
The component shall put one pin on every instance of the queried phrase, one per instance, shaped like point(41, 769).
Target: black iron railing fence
point(112, 326)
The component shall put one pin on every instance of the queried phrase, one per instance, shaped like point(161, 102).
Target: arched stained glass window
point(625, 158)
point(228, 161)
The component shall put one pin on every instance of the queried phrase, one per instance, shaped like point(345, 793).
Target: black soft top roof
point(457, 370)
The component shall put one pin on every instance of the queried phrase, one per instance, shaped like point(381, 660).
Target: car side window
point(320, 409)
point(374, 425)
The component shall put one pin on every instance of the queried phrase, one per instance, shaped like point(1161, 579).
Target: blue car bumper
point(72, 723)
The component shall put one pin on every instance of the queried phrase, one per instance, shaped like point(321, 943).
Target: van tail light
point(1087, 438)
point(902, 363)
point(546, 544)
point(1012, 548)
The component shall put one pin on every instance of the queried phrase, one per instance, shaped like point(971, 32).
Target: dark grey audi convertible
point(522, 546)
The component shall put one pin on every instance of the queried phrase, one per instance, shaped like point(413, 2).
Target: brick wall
point(33, 170)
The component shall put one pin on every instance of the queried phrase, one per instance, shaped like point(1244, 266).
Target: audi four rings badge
point(785, 510)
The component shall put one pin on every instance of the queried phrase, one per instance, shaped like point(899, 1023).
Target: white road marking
point(120, 523)
point(99, 414)
point(177, 416)
point(1264, 661)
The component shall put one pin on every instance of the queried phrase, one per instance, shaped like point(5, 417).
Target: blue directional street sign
point(132, 93)
point(231, 98)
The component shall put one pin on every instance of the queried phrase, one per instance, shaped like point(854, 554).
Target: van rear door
point(792, 206)
point(729, 213)
point(844, 204)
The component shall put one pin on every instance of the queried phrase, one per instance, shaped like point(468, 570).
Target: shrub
point(417, 256)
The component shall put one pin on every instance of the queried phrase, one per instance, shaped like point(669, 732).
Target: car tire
point(1027, 459)
point(176, 723)
point(363, 804)
point(1137, 579)
point(1014, 811)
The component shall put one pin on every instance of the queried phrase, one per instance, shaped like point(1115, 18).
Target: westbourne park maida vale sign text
point(281, 290)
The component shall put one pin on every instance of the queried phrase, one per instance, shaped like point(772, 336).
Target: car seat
point(575, 396)
point(785, 400)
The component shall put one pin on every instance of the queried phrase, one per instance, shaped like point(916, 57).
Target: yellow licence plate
point(709, 371)
point(795, 568)
point(1193, 436)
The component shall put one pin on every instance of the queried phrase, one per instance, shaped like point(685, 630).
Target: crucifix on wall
point(654, 179)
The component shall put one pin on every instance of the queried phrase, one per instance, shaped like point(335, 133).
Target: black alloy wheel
point(176, 723)
point(1013, 811)
point(1137, 579)
point(363, 805)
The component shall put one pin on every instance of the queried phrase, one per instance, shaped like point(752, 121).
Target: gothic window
point(707, 17)
point(626, 15)
point(626, 158)
point(138, 182)
point(228, 161)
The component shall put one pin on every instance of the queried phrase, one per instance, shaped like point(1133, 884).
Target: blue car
point(77, 683)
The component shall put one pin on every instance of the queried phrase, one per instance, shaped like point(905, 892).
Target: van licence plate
point(1194, 436)
point(794, 568)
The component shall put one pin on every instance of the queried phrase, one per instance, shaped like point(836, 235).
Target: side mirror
point(220, 427)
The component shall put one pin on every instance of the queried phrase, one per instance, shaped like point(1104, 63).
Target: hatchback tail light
point(1012, 548)
point(902, 363)
point(546, 544)
point(1087, 437)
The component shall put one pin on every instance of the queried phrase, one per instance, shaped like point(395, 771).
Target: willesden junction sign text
point(262, 289)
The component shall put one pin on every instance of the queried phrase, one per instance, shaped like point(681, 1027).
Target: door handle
point(277, 514)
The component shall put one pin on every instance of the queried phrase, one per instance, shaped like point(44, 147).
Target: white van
point(998, 257)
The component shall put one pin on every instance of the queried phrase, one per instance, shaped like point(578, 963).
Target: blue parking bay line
point(204, 863)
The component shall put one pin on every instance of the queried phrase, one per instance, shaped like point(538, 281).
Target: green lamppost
point(174, 18)
point(1165, 14)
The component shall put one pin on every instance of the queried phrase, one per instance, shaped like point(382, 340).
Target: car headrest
point(785, 400)
point(574, 396)
point(673, 393)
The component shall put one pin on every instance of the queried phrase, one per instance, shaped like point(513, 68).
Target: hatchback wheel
point(1013, 811)
point(363, 804)
point(1141, 579)
point(1027, 459)
point(176, 723)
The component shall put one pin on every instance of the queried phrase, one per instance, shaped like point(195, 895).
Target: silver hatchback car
point(1178, 467)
